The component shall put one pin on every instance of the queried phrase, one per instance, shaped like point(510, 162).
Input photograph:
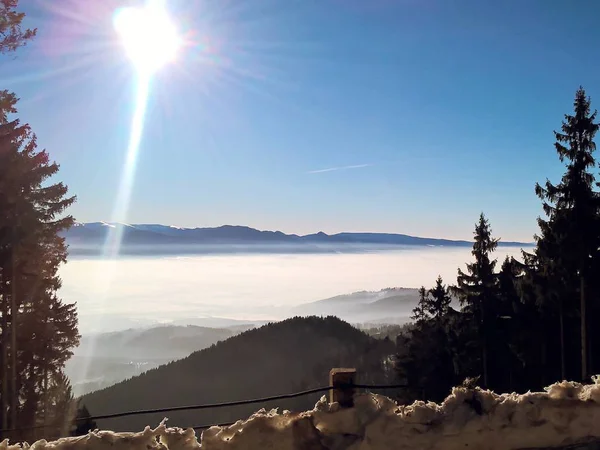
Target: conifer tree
point(412, 350)
point(59, 406)
point(30, 251)
point(12, 36)
point(83, 421)
point(569, 236)
point(507, 288)
point(425, 363)
point(508, 307)
point(511, 321)
point(420, 312)
point(477, 291)
point(32, 214)
point(439, 300)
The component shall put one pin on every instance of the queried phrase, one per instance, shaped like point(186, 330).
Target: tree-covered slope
point(279, 358)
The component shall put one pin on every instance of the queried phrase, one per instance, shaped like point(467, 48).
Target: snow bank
point(565, 414)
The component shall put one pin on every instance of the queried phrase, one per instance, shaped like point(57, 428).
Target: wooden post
point(341, 393)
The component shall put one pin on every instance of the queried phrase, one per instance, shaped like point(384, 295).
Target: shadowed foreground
point(566, 415)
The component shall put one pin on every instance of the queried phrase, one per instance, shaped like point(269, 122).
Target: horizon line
point(109, 224)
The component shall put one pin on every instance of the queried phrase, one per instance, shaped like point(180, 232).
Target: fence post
point(342, 380)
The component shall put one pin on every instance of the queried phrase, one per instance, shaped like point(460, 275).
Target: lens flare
point(151, 41)
point(148, 35)
point(113, 242)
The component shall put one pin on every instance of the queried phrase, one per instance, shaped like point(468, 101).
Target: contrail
point(333, 169)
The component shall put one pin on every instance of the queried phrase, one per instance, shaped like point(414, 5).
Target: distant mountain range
point(137, 236)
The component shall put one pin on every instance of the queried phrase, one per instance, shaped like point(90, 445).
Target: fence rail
point(340, 387)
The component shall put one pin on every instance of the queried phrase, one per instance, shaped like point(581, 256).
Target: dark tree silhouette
point(83, 422)
point(569, 236)
point(531, 307)
point(439, 301)
point(477, 290)
point(32, 216)
point(420, 312)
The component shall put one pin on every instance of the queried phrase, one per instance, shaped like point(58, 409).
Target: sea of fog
point(140, 291)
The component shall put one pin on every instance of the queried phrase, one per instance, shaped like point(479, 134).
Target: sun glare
point(151, 40)
point(149, 36)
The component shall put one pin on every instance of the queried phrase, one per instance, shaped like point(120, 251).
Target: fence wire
point(214, 406)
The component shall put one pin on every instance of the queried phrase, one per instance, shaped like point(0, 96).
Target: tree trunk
point(485, 363)
point(544, 360)
point(14, 312)
point(590, 351)
point(45, 399)
point(484, 344)
point(561, 316)
point(583, 329)
point(4, 379)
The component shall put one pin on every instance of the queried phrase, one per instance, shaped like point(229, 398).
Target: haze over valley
point(140, 311)
point(255, 283)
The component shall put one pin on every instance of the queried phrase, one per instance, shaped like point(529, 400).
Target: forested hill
point(278, 358)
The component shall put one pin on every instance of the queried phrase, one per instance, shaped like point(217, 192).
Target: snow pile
point(161, 438)
point(566, 414)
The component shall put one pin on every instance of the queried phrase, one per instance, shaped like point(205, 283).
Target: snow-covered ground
point(565, 414)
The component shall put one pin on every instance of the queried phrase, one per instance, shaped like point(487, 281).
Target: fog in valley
point(137, 313)
point(218, 290)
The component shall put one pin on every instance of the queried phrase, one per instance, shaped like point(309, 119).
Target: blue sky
point(432, 110)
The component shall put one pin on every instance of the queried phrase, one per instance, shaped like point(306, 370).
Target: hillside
point(393, 305)
point(166, 341)
point(278, 358)
point(107, 358)
point(88, 238)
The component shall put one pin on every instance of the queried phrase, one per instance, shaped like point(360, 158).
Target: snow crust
point(565, 414)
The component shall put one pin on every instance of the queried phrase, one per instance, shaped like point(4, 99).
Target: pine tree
point(420, 312)
point(538, 321)
point(425, 361)
point(412, 345)
point(569, 236)
point(477, 291)
point(442, 341)
point(508, 309)
point(439, 301)
point(49, 333)
point(12, 36)
point(508, 295)
point(58, 409)
point(32, 216)
point(30, 250)
point(83, 421)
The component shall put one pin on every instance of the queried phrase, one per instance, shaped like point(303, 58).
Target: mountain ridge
point(96, 233)
point(292, 355)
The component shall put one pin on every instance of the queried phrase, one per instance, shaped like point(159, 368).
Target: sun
point(149, 36)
